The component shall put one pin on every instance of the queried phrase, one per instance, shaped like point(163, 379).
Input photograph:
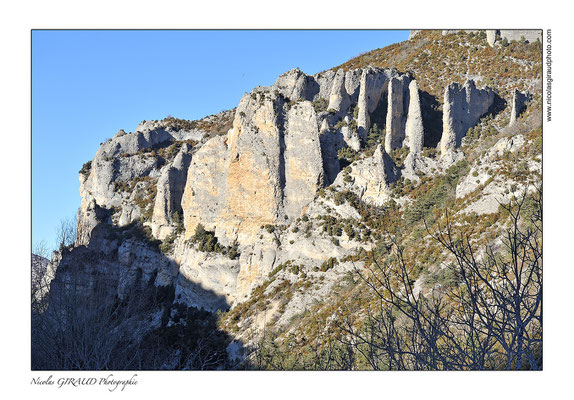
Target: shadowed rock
point(170, 187)
point(519, 101)
point(373, 85)
point(398, 103)
point(463, 108)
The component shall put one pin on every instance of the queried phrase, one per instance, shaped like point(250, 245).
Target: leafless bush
point(66, 232)
point(489, 318)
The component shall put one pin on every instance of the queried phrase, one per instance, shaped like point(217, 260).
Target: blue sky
point(86, 85)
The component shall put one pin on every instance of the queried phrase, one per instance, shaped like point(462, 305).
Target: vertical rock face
point(331, 165)
point(303, 159)
point(275, 158)
point(414, 132)
point(519, 101)
point(463, 107)
point(373, 84)
point(270, 168)
point(353, 83)
point(339, 99)
point(296, 85)
point(398, 102)
point(205, 185)
point(255, 175)
point(325, 81)
point(170, 187)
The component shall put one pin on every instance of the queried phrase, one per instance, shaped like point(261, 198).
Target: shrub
point(233, 252)
point(339, 198)
point(346, 156)
point(178, 222)
point(375, 136)
point(167, 245)
point(86, 168)
point(205, 240)
point(429, 152)
point(435, 193)
point(399, 155)
point(328, 264)
point(320, 105)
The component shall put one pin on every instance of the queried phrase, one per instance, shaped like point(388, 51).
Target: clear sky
point(86, 85)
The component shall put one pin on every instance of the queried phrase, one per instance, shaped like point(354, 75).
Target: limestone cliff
point(293, 183)
point(261, 171)
point(271, 212)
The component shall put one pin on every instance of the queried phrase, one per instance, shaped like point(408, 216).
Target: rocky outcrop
point(123, 143)
point(260, 177)
point(329, 146)
point(170, 187)
point(255, 174)
point(370, 178)
point(275, 157)
point(205, 186)
point(373, 86)
point(463, 107)
point(530, 35)
point(325, 81)
point(90, 214)
point(414, 131)
point(303, 160)
point(296, 85)
point(413, 33)
point(491, 36)
point(339, 99)
point(519, 101)
point(398, 103)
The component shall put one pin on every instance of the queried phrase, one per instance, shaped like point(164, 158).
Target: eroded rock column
point(463, 108)
point(398, 100)
point(414, 131)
